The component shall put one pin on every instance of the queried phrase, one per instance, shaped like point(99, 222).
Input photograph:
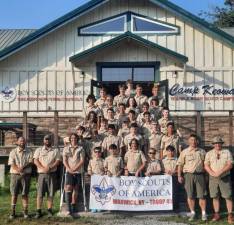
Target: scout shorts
point(195, 185)
point(221, 186)
point(72, 179)
point(20, 184)
point(46, 184)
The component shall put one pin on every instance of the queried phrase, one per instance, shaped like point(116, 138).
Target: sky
point(37, 13)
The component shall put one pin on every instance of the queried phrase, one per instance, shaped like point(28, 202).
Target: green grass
point(5, 210)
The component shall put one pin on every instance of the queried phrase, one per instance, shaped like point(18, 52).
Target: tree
point(221, 16)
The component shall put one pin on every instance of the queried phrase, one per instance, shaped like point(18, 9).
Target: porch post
point(25, 126)
point(230, 129)
point(56, 121)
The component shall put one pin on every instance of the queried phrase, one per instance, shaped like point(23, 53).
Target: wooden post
point(198, 124)
point(25, 126)
point(230, 129)
point(56, 121)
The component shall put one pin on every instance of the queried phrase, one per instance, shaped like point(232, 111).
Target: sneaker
point(38, 215)
point(191, 216)
point(12, 216)
point(204, 217)
point(25, 214)
point(230, 219)
point(216, 217)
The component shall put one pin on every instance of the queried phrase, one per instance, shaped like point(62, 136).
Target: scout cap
point(217, 139)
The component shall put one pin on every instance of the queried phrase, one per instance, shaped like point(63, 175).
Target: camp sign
point(131, 193)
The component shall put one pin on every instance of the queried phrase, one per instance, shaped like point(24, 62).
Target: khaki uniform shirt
point(169, 164)
point(146, 130)
point(140, 100)
point(103, 133)
point(120, 99)
point(153, 166)
point(191, 160)
point(162, 101)
point(173, 140)
point(95, 109)
point(115, 122)
point(136, 110)
point(163, 124)
point(105, 110)
point(74, 156)
point(133, 160)
point(20, 159)
point(101, 103)
point(47, 157)
point(96, 166)
point(114, 164)
point(123, 132)
point(121, 118)
point(95, 142)
point(112, 139)
point(129, 137)
point(140, 118)
point(156, 112)
point(89, 126)
point(218, 164)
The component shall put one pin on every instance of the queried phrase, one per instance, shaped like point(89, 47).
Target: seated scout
point(101, 102)
point(139, 97)
point(46, 160)
point(122, 97)
point(164, 120)
point(73, 160)
point(134, 160)
point(218, 163)
point(91, 106)
point(153, 166)
point(20, 160)
point(113, 164)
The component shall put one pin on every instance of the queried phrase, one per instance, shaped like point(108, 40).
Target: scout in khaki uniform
point(114, 164)
point(112, 138)
point(122, 97)
point(96, 166)
point(169, 167)
point(145, 109)
point(191, 165)
point(20, 160)
point(132, 117)
point(153, 165)
point(155, 109)
point(134, 160)
point(91, 106)
point(109, 105)
point(73, 160)
point(95, 141)
point(46, 159)
point(121, 115)
point(89, 124)
point(101, 102)
point(130, 91)
point(164, 120)
point(218, 163)
point(171, 138)
point(132, 106)
point(146, 126)
point(124, 130)
point(139, 97)
point(111, 118)
point(156, 94)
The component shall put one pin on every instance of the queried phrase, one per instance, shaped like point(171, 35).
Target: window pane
point(116, 74)
point(146, 25)
point(144, 74)
point(113, 25)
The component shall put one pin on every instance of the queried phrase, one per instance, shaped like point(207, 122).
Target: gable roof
point(127, 36)
point(11, 36)
point(178, 11)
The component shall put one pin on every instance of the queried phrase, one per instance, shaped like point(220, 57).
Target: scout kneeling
point(46, 159)
point(20, 160)
point(96, 166)
point(73, 160)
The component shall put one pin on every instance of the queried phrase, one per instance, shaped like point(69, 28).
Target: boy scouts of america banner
point(131, 193)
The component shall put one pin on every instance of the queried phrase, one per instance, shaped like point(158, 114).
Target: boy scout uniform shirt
point(120, 99)
point(156, 112)
point(169, 164)
point(173, 140)
point(121, 118)
point(163, 124)
point(218, 164)
point(74, 156)
point(47, 157)
point(103, 133)
point(112, 139)
point(191, 160)
point(136, 110)
point(133, 160)
point(140, 118)
point(101, 103)
point(155, 141)
point(123, 132)
point(96, 166)
point(129, 137)
point(95, 109)
point(115, 122)
point(153, 166)
point(146, 130)
point(20, 158)
point(114, 164)
point(105, 110)
point(93, 143)
point(140, 100)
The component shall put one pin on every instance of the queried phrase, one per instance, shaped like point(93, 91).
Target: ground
point(86, 219)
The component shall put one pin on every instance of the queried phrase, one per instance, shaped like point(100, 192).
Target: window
point(115, 26)
point(119, 24)
point(144, 25)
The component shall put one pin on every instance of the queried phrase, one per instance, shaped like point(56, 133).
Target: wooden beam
point(230, 129)
point(199, 124)
point(56, 121)
point(25, 126)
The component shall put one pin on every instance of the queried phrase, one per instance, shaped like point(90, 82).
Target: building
point(107, 42)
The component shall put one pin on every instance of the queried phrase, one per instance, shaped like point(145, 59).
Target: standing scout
point(153, 165)
point(218, 163)
point(46, 159)
point(73, 160)
point(122, 97)
point(191, 164)
point(164, 120)
point(139, 97)
point(20, 160)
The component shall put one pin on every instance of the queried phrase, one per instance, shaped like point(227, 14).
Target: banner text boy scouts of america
point(131, 193)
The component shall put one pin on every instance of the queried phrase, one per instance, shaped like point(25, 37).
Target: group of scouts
point(128, 135)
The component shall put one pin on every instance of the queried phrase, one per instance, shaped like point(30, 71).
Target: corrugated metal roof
point(11, 36)
point(229, 30)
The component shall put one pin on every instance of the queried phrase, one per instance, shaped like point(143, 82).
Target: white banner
point(131, 193)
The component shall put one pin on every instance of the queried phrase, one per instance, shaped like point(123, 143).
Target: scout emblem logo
point(8, 94)
point(103, 191)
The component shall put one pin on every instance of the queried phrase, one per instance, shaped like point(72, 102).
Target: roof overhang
point(127, 36)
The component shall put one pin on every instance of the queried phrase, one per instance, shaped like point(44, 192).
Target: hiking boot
point(230, 218)
point(216, 217)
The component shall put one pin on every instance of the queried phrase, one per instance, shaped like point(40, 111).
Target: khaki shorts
point(20, 184)
point(195, 185)
point(46, 184)
point(220, 185)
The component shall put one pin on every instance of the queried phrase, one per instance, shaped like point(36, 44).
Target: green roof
point(127, 36)
point(167, 5)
